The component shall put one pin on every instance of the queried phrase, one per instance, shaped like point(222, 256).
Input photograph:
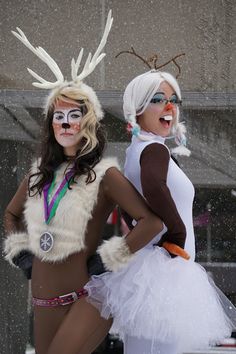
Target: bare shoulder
point(113, 172)
point(118, 189)
point(114, 178)
point(116, 186)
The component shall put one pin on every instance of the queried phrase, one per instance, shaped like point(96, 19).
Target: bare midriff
point(53, 279)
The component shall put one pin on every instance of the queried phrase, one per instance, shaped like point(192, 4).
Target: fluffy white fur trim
point(70, 222)
point(181, 150)
point(14, 244)
point(115, 253)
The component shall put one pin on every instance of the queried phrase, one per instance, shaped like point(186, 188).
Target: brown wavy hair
point(92, 143)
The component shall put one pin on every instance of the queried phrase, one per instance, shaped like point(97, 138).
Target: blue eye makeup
point(159, 98)
point(174, 99)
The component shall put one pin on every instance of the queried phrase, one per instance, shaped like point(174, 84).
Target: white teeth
point(169, 117)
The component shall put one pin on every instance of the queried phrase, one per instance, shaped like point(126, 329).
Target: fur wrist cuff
point(14, 244)
point(115, 253)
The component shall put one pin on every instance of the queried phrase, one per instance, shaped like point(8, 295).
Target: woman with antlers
point(161, 304)
point(64, 203)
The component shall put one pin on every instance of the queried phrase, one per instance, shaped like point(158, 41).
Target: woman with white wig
point(160, 303)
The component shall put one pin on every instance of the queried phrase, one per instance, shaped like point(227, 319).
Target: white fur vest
point(68, 226)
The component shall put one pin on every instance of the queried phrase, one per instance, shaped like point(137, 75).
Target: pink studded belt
point(60, 300)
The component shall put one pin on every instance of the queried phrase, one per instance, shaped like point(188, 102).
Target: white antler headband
point(89, 65)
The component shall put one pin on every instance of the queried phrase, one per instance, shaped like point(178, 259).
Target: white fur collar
point(70, 222)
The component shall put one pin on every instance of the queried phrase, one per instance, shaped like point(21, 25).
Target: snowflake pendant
point(46, 242)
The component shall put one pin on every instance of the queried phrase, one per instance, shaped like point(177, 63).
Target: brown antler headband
point(152, 61)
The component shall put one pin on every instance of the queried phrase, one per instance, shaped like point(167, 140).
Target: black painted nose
point(65, 125)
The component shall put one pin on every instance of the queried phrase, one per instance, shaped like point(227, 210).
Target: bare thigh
point(81, 331)
point(47, 320)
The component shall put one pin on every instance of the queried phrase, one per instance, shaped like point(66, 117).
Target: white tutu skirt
point(163, 299)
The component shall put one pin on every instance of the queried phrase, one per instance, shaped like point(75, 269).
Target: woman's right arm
point(15, 244)
point(117, 251)
point(13, 217)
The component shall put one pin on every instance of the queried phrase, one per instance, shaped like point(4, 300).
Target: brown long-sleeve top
point(154, 162)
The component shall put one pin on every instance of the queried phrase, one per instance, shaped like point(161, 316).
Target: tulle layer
point(164, 299)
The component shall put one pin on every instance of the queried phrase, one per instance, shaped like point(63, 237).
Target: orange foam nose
point(169, 106)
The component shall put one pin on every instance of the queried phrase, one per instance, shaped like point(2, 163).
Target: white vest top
point(181, 188)
point(70, 222)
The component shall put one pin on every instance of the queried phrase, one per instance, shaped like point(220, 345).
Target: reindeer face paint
point(66, 125)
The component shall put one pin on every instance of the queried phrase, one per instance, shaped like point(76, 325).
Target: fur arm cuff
point(115, 253)
point(14, 244)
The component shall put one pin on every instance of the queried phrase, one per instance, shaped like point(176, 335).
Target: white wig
point(138, 95)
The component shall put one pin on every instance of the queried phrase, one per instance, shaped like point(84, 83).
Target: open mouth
point(166, 121)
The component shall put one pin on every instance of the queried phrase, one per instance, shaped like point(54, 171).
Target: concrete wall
point(14, 323)
point(204, 29)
